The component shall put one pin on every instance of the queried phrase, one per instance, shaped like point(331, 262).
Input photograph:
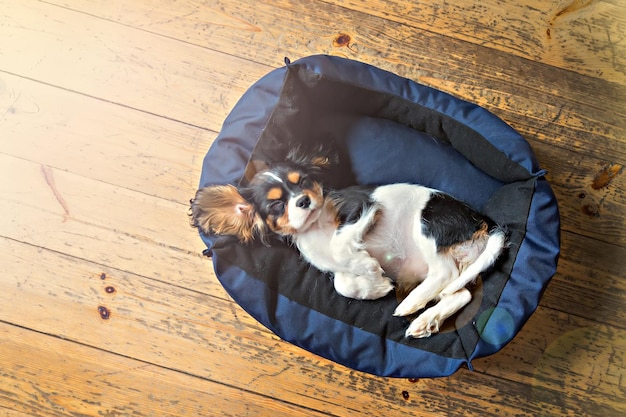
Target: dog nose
point(303, 202)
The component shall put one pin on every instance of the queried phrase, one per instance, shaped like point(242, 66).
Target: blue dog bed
point(386, 129)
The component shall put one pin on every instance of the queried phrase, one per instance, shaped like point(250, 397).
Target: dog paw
point(423, 326)
point(367, 267)
point(374, 289)
point(362, 287)
point(380, 288)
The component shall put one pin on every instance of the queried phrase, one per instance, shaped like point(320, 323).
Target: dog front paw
point(379, 289)
point(362, 287)
point(366, 266)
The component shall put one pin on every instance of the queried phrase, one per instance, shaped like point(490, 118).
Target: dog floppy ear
point(220, 209)
point(319, 159)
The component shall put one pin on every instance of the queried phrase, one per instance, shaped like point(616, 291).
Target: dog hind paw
point(423, 327)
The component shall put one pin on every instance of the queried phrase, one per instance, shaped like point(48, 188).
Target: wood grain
point(106, 110)
point(98, 58)
point(46, 376)
point(107, 224)
point(586, 209)
point(127, 148)
point(578, 35)
point(582, 36)
point(589, 282)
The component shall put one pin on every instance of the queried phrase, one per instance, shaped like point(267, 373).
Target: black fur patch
point(450, 221)
point(352, 202)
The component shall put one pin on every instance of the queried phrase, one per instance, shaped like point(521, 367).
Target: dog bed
point(386, 129)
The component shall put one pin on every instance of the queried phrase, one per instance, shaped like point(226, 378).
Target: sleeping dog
point(426, 240)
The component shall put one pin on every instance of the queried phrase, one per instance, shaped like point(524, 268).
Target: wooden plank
point(575, 357)
point(589, 191)
point(582, 36)
point(98, 58)
point(100, 140)
point(12, 413)
point(208, 337)
point(43, 375)
point(590, 281)
point(109, 225)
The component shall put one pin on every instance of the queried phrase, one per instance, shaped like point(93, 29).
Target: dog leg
point(429, 321)
point(440, 273)
point(348, 249)
point(362, 287)
point(495, 245)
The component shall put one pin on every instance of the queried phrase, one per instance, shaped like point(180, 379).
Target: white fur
point(357, 274)
point(298, 217)
point(272, 176)
point(357, 254)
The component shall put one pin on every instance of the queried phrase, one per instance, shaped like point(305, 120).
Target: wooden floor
point(107, 108)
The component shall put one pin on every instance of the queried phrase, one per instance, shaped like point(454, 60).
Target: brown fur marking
point(275, 193)
point(293, 177)
point(281, 224)
point(462, 253)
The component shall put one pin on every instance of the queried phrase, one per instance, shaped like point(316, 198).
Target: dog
point(429, 242)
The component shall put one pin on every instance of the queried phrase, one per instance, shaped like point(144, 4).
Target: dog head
point(284, 199)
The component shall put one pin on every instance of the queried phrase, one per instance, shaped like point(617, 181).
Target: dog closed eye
point(276, 207)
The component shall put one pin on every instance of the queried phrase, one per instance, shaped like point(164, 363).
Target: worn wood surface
point(106, 111)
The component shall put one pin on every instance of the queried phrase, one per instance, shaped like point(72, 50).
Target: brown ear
point(320, 157)
point(254, 167)
point(220, 209)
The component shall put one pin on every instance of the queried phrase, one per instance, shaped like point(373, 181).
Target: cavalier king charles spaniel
point(368, 237)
